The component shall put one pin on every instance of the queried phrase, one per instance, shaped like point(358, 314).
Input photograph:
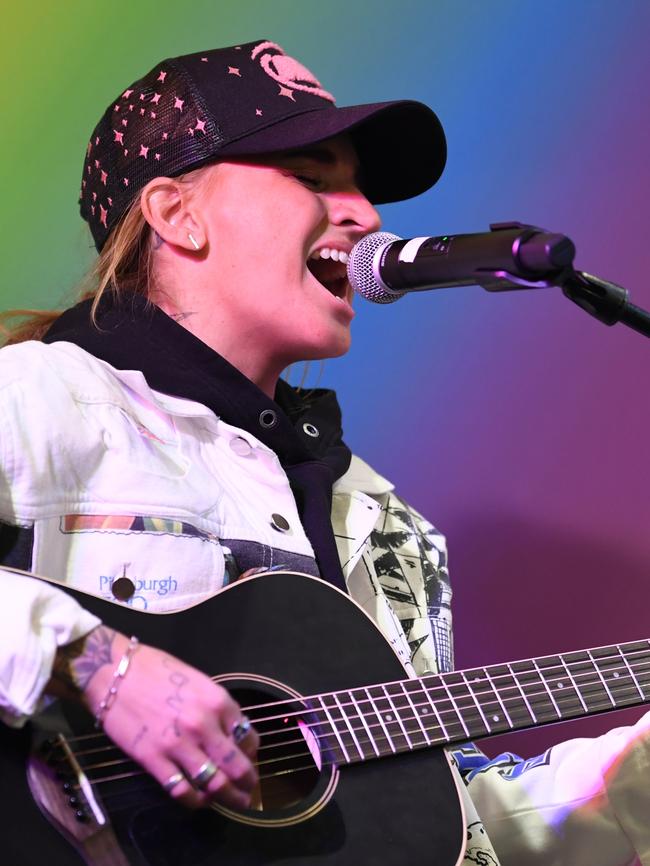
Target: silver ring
point(173, 780)
point(203, 775)
point(240, 729)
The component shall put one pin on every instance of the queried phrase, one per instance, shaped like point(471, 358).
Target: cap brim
point(401, 145)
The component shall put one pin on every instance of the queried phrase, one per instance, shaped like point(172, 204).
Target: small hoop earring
point(193, 240)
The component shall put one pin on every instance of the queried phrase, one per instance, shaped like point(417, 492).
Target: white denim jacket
point(116, 480)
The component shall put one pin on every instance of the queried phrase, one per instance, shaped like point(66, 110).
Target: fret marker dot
point(425, 711)
point(495, 718)
point(616, 674)
point(560, 685)
point(388, 717)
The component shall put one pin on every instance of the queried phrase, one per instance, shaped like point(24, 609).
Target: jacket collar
point(137, 335)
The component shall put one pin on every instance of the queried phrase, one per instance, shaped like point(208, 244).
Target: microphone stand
point(605, 301)
point(552, 256)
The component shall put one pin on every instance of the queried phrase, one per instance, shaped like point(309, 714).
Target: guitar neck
point(390, 718)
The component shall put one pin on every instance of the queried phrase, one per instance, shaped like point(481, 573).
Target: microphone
point(383, 267)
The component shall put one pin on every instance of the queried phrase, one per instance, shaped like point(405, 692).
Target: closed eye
point(312, 181)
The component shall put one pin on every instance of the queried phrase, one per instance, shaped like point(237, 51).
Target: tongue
point(328, 272)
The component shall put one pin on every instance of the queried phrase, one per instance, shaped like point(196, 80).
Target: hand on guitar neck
point(169, 717)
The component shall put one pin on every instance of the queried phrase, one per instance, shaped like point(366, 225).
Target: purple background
point(516, 422)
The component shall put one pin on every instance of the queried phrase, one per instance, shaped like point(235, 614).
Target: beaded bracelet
point(118, 676)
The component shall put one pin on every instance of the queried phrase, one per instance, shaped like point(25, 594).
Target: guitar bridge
point(65, 795)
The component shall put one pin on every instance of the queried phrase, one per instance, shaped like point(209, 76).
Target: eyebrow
point(323, 156)
point(318, 154)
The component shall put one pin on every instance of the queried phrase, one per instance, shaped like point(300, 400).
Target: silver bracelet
point(118, 676)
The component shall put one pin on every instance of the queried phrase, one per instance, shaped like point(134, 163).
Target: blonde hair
point(124, 265)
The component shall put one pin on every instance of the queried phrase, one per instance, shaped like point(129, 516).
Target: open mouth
point(329, 267)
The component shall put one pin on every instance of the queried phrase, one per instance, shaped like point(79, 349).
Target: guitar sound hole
point(294, 766)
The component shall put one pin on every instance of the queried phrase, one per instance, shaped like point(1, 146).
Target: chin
point(332, 344)
point(333, 349)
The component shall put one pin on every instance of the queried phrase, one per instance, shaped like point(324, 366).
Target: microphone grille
point(362, 273)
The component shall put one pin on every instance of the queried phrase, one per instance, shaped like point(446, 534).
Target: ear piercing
point(193, 241)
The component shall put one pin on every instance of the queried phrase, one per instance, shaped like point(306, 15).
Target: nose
point(351, 209)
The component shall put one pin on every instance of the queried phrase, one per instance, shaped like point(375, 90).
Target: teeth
point(328, 253)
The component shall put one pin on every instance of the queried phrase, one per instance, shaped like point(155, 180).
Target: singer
point(152, 456)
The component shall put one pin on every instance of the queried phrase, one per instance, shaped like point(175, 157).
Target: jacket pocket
point(148, 562)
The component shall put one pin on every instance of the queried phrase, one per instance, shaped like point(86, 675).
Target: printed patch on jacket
point(410, 562)
point(478, 849)
point(117, 523)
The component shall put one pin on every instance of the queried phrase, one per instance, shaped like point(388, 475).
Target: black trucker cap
point(246, 100)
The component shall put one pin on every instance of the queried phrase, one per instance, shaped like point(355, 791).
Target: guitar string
point(458, 699)
point(606, 704)
point(455, 700)
point(423, 717)
point(513, 675)
point(538, 672)
point(145, 776)
point(327, 742)
point(365, 741)
point(424, 712)
point(263, 776)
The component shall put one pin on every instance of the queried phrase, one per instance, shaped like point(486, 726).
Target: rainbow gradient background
point(515, 422)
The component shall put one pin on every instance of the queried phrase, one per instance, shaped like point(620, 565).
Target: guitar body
point(276, 628)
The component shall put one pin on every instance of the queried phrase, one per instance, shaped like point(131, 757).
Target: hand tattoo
point(175, 699)
point(144, 730)
point(76, 663)
point(229, 757)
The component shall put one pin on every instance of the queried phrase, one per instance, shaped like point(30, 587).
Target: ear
point(168, 208)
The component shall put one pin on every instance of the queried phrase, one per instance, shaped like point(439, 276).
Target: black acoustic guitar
point(350, 761)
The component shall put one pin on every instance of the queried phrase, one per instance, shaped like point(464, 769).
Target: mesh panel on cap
point(159, 125)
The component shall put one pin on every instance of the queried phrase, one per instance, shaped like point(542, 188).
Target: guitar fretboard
point(376, 721)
